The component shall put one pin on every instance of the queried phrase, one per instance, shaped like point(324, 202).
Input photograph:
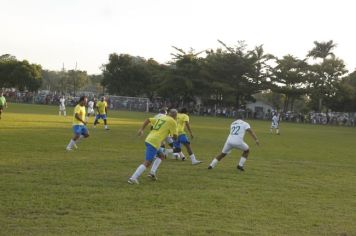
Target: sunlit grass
point(299, 183)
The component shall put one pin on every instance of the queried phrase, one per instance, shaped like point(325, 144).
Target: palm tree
point(322, 50)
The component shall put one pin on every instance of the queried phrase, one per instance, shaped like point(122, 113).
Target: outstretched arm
point(189, 129)
point(145, 123)
point(250, 131)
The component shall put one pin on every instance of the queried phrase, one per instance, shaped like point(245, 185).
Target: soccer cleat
point(183, 159)
point(133, 181)
point(240, 168)
point(196, 162)
point(152, 176)
point(210, 167)
point(69, 149)
point(107, 129)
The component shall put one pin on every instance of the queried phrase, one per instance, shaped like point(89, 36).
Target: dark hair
point(82, 98)
point(183, 110)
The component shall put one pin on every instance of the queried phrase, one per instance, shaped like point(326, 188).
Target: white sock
point(181, 154)
point(71, 144)
point(214, 162)
point(277, 131)
point(242, 161)
point(192, 157)
point(155, 165)
point(65, 113)
point(60, 113)
point(138, 171)
point(106, 126)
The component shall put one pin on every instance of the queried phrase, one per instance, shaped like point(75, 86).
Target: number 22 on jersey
point(235, 130)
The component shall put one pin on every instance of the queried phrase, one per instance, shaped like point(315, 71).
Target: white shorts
point(274, 126)
point(91, 111)
point(237, 145)
point(62, 108)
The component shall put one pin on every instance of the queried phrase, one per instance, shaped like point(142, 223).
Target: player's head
point(163, 110)
point(240, 115)
point(83, 100)
point(183, 110)
point(173, 113)
point(102, 98)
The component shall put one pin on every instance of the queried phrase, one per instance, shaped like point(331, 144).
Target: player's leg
point(77, 133)
point(97, 117)
point(64, 112)
point(156, 163)
point(184, 139)
point(150, 155)
point(0, 112)
point(226, 150)
point(244, 156)
point(105, 123)
point(177, 150)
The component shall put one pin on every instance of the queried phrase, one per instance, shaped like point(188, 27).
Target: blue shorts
point(100, 117)
point(80, 129)
point(181, 139)
point(151, 152)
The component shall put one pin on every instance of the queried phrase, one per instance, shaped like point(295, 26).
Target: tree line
point(226, 76)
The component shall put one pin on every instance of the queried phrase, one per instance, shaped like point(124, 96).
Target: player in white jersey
point(235, 140)
point(62, 106)
point(275, 123)
point(91, 111)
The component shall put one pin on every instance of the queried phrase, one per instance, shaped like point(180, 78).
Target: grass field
point(302, 182)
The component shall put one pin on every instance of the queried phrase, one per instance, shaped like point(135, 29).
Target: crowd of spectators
point(137, 104)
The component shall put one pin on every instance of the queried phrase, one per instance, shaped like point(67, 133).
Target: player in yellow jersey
point(102, 111)
point(182, 122)
point(163, 126)
point(79, 124)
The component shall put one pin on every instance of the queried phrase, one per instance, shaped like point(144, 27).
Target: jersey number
point(158, 124)
point(235, 130)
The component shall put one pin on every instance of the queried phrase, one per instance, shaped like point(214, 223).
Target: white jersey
point(275, 121)
point(62, 105)
point(238, 129)
point(236, 137)
point(90, 108)
point(91, 105)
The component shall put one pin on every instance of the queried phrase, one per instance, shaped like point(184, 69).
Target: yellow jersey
point(181, 119)
point(162, 127)
point(101, 107)
point(80, 110)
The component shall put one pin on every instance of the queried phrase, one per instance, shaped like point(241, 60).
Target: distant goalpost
point(129, 103)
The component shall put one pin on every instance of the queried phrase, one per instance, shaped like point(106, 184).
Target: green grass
point(299, 183)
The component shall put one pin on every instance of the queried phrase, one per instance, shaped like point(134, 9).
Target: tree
point(326, 74)
point(289, 78)
point(19, 74)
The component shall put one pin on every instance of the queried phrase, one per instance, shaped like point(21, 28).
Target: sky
point(85, 32)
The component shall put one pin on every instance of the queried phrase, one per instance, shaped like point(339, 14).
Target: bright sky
point(53, 32)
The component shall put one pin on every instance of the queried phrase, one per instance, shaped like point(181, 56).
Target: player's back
point(238, 129)
point(181, 119)
point(162, 127)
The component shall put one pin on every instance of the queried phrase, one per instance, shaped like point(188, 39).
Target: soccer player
point(275, 123)
point(3, 103)
point(163, 126)
point(182, 122)
point(91, 111)
point(79, 125)
point(169, 139)
point(62, 106)
point(236, 140)
point(102, 111)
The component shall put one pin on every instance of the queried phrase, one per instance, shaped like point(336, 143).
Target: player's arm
point(106, 110)
point(145, 123)
point(250, 131)
point(189, 129)
point(77, 116)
